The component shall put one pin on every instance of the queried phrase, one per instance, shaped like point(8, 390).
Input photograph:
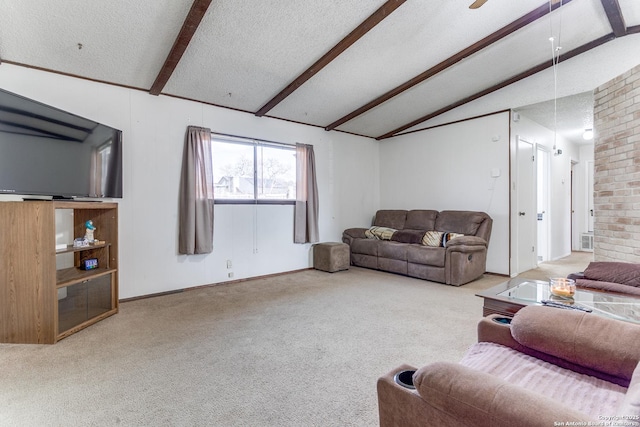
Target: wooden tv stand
point(40, 303)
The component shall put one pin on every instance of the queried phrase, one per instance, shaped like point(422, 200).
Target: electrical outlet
point(230, 274)
point(229, 263)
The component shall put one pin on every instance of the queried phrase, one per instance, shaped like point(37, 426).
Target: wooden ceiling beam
point(474, 48)
point(633, 30)
point(614, 14)
point(373, 20)
point(189, 27)
point(531, 71)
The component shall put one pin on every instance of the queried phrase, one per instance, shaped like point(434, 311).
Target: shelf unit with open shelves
point(39, 302)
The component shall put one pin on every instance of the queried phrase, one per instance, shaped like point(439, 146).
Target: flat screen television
point(45, 151)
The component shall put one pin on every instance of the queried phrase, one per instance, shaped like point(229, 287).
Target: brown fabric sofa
point(620, 277)
point(549, 366)
point(462, 260)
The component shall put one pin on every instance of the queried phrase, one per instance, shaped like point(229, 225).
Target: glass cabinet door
point(83, 301)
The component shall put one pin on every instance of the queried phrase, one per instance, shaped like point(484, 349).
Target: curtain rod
point(253, 139)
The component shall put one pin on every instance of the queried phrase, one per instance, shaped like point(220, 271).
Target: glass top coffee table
point(509, 297)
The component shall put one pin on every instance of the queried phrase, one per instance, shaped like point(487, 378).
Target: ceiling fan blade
point(476, 4)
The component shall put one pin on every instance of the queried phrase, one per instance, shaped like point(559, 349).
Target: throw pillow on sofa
point(432, 238)
point(438, 238)
point(379, 233)
point(448, 236)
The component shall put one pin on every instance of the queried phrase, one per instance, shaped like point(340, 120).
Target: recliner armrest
point(353, 233)
point(467, 241)
point(576, 276)
point(549, 348)
point(585, 339)
point(500, 333)
point(478, 399)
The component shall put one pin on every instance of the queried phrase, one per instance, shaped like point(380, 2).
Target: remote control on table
point(556, 304)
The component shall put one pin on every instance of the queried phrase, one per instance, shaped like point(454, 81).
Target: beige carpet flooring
point(301, 349)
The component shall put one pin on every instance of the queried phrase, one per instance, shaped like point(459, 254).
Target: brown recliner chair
point(547, 367)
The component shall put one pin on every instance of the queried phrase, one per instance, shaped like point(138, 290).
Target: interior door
point(542, 162)
point(526, 229)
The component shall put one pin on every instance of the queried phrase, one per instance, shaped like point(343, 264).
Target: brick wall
point(617, 169)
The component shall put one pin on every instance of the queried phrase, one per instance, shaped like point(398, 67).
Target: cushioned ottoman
point(331, 256)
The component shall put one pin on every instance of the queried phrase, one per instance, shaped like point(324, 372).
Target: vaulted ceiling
point(370, 67)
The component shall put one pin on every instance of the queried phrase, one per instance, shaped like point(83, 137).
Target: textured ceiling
point(246, 51)
point(243, 53)
point(573, 114)
point(122, 42)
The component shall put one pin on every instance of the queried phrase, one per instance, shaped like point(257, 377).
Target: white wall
point(446, 167)
point(258, 240)
point(449, 168)
point(560, 182)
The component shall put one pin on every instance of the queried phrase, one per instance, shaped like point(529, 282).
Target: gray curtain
point(196, 194)
point(305, 222)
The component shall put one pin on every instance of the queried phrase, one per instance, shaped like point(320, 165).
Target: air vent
point(586, 242)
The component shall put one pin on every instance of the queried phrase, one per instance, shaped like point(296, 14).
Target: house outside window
point(253, 171)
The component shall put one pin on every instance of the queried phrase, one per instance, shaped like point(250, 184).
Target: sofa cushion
point(421, 220)
point(582, 392)
point(363, 260)
point(390, 218)
point(392, 265)
point(616, 272)
point(408, 236)
point(464, 222)
point(427, 255)
point(365, 246)
point(380, 233)
point(393, 250)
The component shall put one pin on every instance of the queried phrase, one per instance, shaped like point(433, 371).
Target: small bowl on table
point(562, 287)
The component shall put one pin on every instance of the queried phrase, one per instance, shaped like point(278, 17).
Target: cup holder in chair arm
point(405, 379)
point(502, 320)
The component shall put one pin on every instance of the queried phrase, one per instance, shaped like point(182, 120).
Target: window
point(253, 171)
point(100, 168)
